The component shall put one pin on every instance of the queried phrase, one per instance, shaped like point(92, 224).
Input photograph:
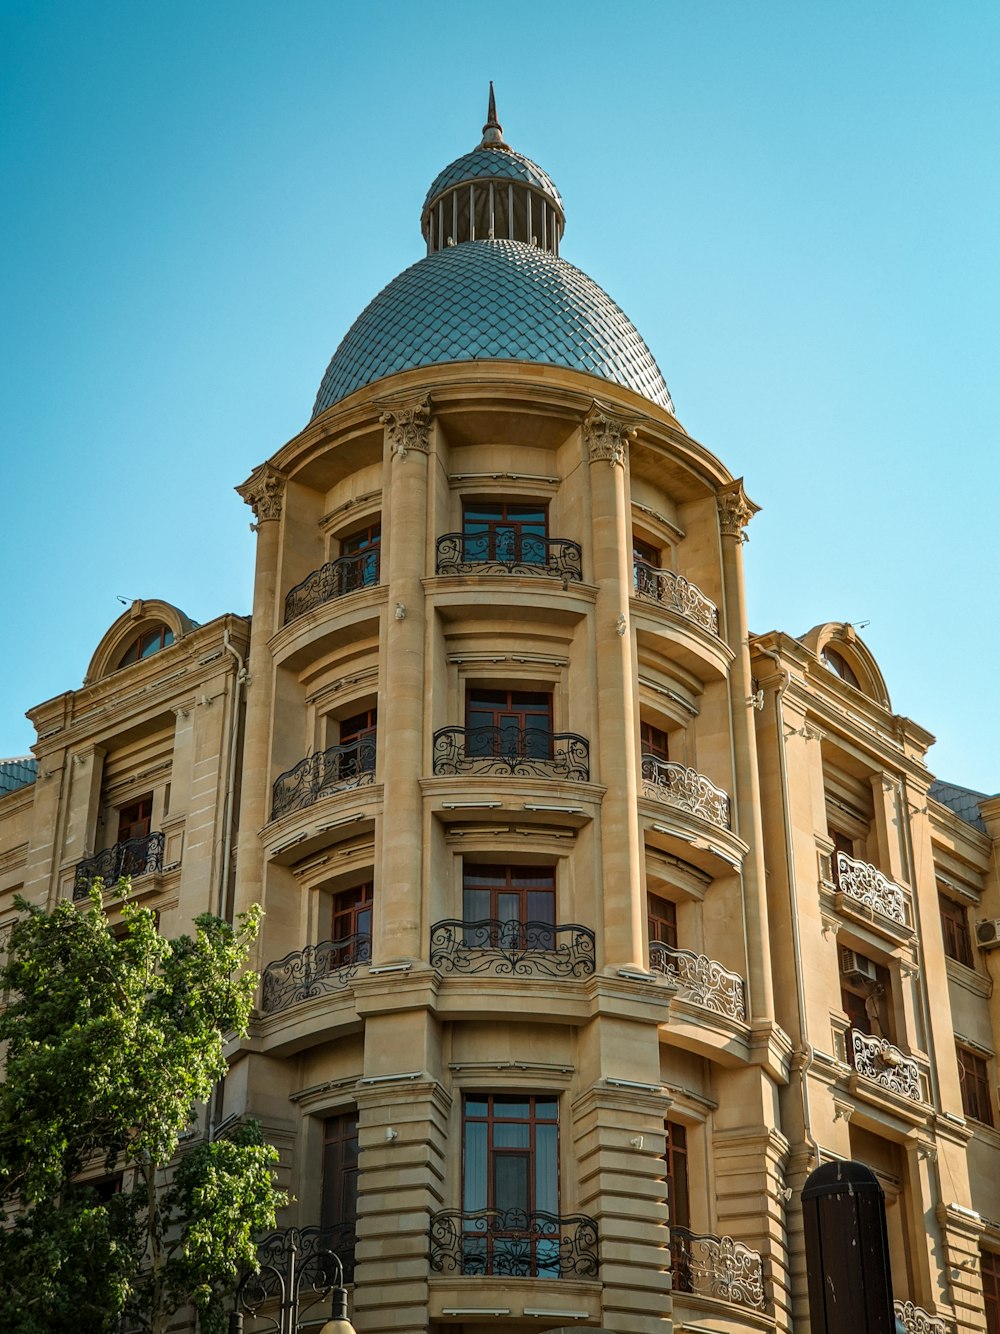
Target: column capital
point(607, 437)
point(264, 492)
point(408, 426)
point(736, 509)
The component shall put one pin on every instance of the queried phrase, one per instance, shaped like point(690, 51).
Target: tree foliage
point(113, 1038)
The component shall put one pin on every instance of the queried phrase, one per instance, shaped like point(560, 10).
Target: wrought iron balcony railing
point(509, 553)
point(512, 949)
point(312, 1246)
point(915, 1320)
point(350, 765)
point(511, 752)
point(663, 780)
point(333, 580)
point(861, 881)
point(677, 593)
point(513, 1243)
point(711, 1266)
point(877, 1059)
point(132, 857)
point(331, 965)
point(701, 979)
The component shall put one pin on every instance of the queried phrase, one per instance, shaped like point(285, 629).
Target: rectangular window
point(973, 1077)
point(134, 819)
point(653, 741)
point(352, 925)
point(510, 1174)
point(955, 930)
point(990, 1266)
point(358, 733)
point(339, 1207)
point(661, 916)
point(498, 902)
point(495, 532)
point(362, 549)
point(675, 1162)
point(508, 722)
point(841, 843)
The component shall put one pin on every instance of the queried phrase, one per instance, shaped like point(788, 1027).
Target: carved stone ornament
point(736, 509)
point(264, 491)
point(408, 427)
point(607, 437)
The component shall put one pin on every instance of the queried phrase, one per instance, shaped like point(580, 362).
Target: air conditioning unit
point(988, 933)
point(856, 965)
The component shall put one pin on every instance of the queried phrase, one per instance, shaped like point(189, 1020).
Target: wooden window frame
point(974, 1082)
point(955, 930)
point(661, 920)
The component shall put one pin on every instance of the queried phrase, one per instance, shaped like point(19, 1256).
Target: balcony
point(915, 1320)
point(332, 770)
point(719, 1267)
point(513, 1243)
point(701, 980)
point(878, 1060)
point(677, 594)
point(333, 580)
point(509, 552)
point(311, 1246)
point(869, 887)
point(688, 790)
point(511, 752)
point(132, 857)
point(317, 970)
point(512, 949)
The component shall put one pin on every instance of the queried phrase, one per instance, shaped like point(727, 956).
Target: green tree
point(113, 1038)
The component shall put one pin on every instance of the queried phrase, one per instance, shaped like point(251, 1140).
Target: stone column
point(735, 512)
point(397, 918)
point(606, 441)
point(264, 492)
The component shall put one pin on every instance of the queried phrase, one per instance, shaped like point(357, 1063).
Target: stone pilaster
point(961, 1230)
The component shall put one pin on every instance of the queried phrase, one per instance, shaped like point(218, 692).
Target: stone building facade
point(593, 922)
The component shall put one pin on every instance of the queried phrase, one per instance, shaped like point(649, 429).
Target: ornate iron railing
point(509, 553)
point(350, 765)
point(514, 1243)
point(331, 965)
point(512, 949)
point(511, 752)
point(333, 580)
point(663, 780)
point(711, 1266)
point(312, 1246)
point(679, 594)
point(915, 1320)
point(861, 881)
point(132, 857)
point(701, 979)
point(877, 1059)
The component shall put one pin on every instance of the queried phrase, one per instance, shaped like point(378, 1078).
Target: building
point(587, 910)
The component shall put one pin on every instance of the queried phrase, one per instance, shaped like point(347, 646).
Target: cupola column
point(397, 925)
point(606, 440)
point(736, 510)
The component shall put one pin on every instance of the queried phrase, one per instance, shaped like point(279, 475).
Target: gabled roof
point(18, 772)
point(962, 800)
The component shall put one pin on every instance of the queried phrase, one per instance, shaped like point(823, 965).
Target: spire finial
point(492, 130)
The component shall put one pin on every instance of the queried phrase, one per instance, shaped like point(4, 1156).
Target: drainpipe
point(242, 680)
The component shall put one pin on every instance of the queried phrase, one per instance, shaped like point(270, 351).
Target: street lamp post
point(295, 1264)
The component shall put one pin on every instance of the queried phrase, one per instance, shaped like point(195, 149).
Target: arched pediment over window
point(145, 629)
point(841, 650)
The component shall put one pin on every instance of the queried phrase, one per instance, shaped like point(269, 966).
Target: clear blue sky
point(797, 204)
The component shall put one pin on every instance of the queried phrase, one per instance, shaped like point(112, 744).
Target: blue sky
point(796, 203)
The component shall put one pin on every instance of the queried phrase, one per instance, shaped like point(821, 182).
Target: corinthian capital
point(607, 437)
point(408, 427)
point(736, 509)
point(264, 491)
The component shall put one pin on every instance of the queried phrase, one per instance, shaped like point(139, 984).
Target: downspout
point(242, 680)
point(806, 1047)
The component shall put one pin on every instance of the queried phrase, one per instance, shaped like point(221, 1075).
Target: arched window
point(146, 644)
point(838, 664)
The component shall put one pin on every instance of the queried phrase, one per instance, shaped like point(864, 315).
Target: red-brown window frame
point(134, 820)
point(974, 1081)
point(661, 920)
point(955, 930)
point(989, 1264)
point(339, 1188)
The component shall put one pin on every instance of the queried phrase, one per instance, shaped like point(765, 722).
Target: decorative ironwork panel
point(701, 979)
point(132, 857)
point(860, 881)
point(328, 966)
point(717, 1267)
point(350, 765)
point(512, 949)
point(677, 593)
point(916, 1320)
point(509, 553)
point(513, 1243)
point(346, 574)
point(877, 1059)
point(315, 1272)
point(511, 752)
point(663, 780)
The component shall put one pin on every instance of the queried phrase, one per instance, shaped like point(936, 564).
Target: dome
point(500, 164)
point(492, 300)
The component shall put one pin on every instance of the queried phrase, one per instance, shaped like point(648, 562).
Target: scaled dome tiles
point(498, 164)
point(492, 300)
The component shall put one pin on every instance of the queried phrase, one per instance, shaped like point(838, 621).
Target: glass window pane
point(474, 1186)
point(547, 1169)
point(512, 1108)
point(512, 1135)
point(511, 1176)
